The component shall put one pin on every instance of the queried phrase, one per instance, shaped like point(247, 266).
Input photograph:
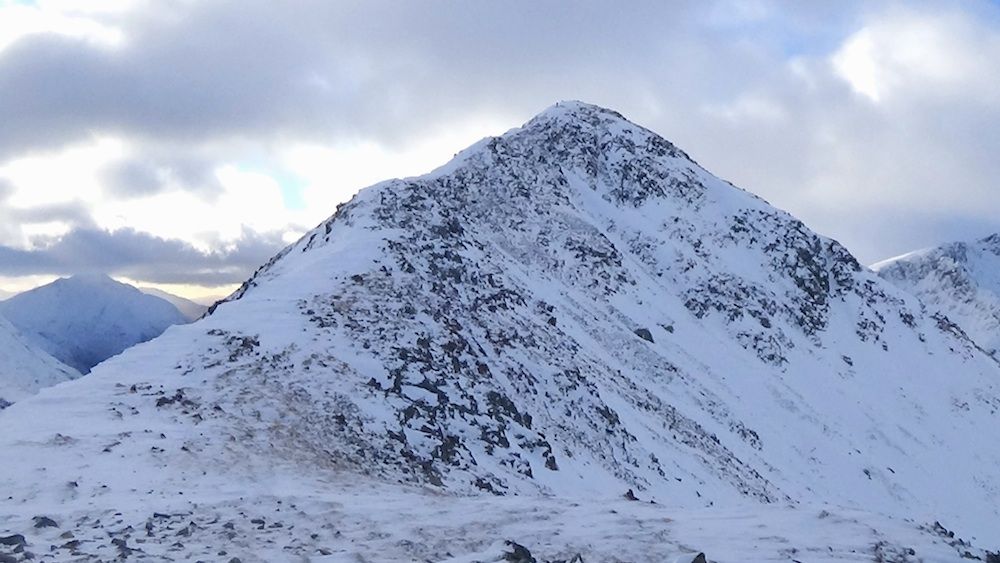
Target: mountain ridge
point(809, 298)
point(24, 368)
point(191, 310)
point(569, 311)
point(959, 279)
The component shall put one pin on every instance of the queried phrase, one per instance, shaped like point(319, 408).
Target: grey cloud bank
point(750, 89)
point(126, 252)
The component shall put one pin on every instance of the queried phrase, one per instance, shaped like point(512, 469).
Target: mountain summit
point(959, 279)
point(87, 318)
point(575, 310)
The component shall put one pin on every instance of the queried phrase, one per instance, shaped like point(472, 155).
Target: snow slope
point(501, 349)
point(192, 311)
point(85, 319)
point(960, 279)
point(24, 368)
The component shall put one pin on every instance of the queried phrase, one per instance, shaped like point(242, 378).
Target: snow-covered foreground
point(290, 519)
point(137, 468)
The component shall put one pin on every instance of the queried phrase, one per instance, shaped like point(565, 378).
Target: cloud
point(133, 178)
point(74, 213)
point(883, 141)
point(140, 256)
point(145, 175)
point(384, 71)
point(59, 176)
point(876, 122)
point(21, 20)
point(113, 184)
point(923, 55)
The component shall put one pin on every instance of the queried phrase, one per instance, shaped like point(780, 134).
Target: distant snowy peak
point(959, 279)
point(85, 319)
point(192, 311)
point(25, 368)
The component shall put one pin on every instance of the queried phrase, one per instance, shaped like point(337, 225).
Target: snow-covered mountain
point(960, 279)
point(5, 295)
point(192, 311)
point(25, 368)
point(563, 316)
point(85, 319)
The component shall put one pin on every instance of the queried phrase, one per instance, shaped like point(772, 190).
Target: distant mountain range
point(85, 319)
point(959, 279)
point(192, 311)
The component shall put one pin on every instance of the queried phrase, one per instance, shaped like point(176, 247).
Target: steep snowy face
point(577, 302)
point(86, 319)
point(25, 368)
point(961, 280)
point(573, 308)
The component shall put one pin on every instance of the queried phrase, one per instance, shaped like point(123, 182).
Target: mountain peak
point(579, 127)
point(958, 279)
point(573, 309)
point(576, 145)
point(578, 266)
point(577, 110)
point(87, 318)
point(992, 241)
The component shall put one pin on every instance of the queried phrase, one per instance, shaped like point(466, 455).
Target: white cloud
point(71, 19)
point(75, 175)
point(845, 115)
point(856, 63)
point(748, 108)
point(908, 53)
point(250, 200)
point(333, 174)
point(64, 177)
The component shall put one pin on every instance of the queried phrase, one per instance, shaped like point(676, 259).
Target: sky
point(181, 143)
